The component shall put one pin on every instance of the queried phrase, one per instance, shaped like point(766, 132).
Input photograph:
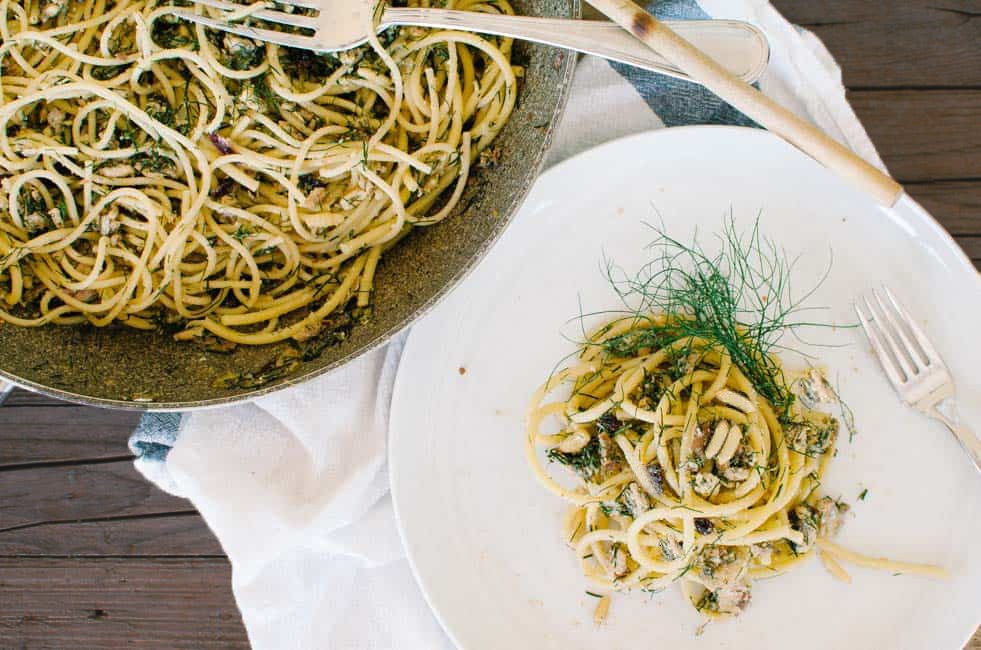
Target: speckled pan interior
point(123, 368)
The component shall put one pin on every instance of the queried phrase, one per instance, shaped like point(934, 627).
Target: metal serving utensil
point(913, 366)
point(344, 24)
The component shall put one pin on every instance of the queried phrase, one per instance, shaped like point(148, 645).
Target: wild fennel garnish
point(739, 299)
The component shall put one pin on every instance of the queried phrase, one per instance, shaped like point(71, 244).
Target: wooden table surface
point(93, 556)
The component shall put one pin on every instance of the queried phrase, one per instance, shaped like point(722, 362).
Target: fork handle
point(965, 436)
point(741, 46)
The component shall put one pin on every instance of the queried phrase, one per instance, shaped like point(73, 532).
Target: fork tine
point(892, 372)
point(306, 4)
point(914, 355)
point(267, 35)
point(281, 17)
point(883, 328)
point(921, 338)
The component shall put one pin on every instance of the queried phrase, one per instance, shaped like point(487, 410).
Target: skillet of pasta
point(156, 174)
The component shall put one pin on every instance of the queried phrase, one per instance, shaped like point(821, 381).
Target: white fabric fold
point(295, 487)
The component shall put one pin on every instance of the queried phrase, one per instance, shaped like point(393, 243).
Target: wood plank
point(40, 434)
point(971, 246)
point(924, 135)
point(956, 205)
point(104, 603)
point(897, 44)
point(21, 397)
point(159, 536)
point(39, 495)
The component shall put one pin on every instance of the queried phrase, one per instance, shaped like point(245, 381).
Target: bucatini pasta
point(157, 174)
point(685, 473)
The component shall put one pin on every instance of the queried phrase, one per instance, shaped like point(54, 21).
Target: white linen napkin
point(295, 484)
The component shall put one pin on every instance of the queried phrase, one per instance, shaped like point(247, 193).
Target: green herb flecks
point(242, 233)
point(266, 94)
point(586, 463)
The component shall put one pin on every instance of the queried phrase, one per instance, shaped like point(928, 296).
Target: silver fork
point(913, 365)
point(344, 24)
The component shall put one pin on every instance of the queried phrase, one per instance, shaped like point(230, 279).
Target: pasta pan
point(125, 368)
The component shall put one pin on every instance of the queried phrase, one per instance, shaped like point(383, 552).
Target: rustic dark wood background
point(92, 556)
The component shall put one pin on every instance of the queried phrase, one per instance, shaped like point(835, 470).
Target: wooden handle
point(750, 101)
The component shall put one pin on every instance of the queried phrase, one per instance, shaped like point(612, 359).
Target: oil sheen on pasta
point(157, 174)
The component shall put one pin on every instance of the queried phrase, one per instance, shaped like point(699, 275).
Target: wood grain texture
point(900, 44)
point(971, 246)
point(172, 534)
point(105, 603)
point(40, 495)
point(925, 135)
point(956, 205)
point(39, 433)
point(27, 398)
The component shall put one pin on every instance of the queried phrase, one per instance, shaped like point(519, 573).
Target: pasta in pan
point(157, 174)
point(686, 473)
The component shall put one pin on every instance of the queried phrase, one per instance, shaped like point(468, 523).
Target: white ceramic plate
point(483, 536)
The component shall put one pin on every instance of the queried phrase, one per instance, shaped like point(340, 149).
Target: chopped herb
point(630, 343)
point(586, 462)
point(173, 35)
point(107, 72)
point(242, 232)
point(865, 493)
point(262, 90)
point(815, 484)
point(685, 508)
point(242, 53)
point(685, 570)
point(306, 65)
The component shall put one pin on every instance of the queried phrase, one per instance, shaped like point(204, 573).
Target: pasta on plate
point(686, 473)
